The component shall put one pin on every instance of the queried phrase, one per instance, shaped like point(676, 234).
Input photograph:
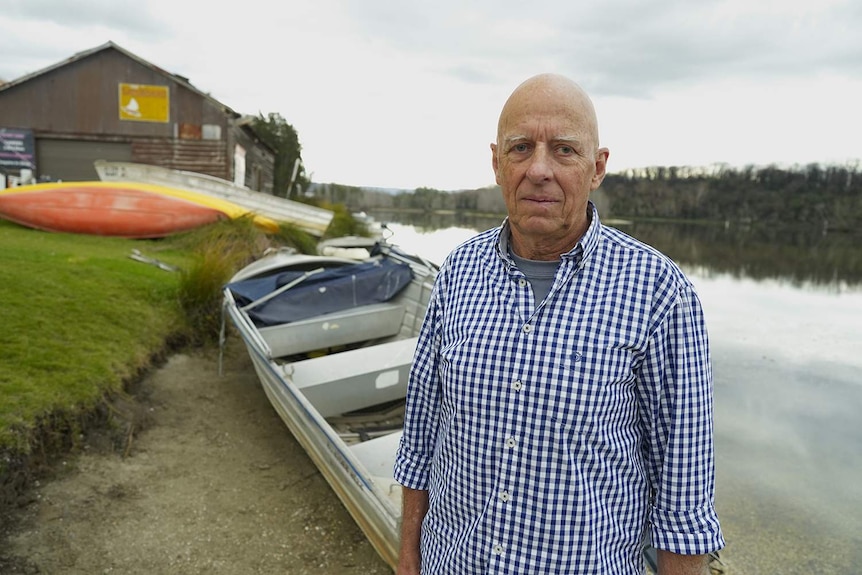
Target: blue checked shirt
point(553, 438)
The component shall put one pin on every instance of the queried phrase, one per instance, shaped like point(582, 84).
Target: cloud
point(131, 17)
point(39, 33)
point(623, 47)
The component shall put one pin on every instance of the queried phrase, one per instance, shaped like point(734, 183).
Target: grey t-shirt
point(540, 274)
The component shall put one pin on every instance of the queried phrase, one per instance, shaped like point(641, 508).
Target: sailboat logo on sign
point(132, 108)
point(144, 103)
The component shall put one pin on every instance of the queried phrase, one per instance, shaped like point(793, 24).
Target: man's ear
point(494, 163)
point(601, 168)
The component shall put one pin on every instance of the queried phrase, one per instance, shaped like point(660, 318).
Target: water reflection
point(431, 221)
point(785, 318)
point(788, 395)
point(797, 256)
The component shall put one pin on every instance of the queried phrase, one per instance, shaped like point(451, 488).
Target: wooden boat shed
point(107, 103)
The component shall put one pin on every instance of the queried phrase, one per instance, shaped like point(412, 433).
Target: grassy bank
point(80, 319)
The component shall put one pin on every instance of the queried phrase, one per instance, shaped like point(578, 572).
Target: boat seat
point(378, 457)
point(355, 379)
point(352, 325)
point(378, 454)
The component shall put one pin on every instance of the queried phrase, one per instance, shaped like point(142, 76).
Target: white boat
point(332, 340)
point(308, 218)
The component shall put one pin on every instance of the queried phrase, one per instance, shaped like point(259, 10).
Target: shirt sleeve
point(413, 458)
point(679, 452)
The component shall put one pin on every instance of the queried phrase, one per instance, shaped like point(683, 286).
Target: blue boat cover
point(332, 290)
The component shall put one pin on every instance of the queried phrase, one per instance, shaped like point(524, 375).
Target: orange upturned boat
point(123, 209)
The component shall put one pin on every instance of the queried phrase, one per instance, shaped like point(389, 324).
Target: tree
point(282, 137)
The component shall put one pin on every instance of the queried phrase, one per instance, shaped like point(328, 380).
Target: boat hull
point(377, 519)
point(310, 391)
point(310, 219)
point(128, 210)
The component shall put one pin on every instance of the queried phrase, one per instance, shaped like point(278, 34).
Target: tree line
point(826, 196)
point(829, 197)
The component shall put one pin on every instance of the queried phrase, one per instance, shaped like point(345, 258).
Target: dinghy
point(332, 341)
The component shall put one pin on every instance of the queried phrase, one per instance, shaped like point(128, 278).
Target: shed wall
point(74, 112)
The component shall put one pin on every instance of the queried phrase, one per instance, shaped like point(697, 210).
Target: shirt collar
point(582, 250)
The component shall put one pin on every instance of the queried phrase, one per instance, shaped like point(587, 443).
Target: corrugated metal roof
point(183, 81)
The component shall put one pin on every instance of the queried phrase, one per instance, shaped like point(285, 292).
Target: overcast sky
point(399, 93)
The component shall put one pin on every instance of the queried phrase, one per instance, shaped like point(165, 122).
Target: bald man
point(559, 409)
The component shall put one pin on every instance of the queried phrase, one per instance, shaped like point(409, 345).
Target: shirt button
point(498, 549)
point(517, 385)
point(504, 496)
point(528, 328)
point(511, 442)
point(522, 282)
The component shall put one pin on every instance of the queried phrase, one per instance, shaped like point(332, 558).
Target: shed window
point(211, 132)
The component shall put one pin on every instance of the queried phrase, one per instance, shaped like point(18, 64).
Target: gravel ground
point(215, 484)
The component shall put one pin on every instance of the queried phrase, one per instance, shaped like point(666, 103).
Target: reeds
point(219, 251)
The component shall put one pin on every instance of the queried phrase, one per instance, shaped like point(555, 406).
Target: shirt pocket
point(594, 386)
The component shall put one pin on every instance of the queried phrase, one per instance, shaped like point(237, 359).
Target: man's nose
point(540, 165)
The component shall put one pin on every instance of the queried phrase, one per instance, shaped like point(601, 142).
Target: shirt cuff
point(411, 468)
point(693, 532)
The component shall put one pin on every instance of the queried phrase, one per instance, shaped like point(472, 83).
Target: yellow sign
point(143, 103)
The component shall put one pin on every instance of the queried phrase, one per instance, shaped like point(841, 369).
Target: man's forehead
point(560, 124)
point(547, 126)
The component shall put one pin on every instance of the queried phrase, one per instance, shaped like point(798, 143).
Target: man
point(560, 403)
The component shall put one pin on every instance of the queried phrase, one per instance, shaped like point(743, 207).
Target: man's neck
point(543, 249)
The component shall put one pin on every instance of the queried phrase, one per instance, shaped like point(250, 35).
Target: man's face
point(546, 162)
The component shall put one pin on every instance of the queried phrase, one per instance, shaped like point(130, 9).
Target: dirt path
point(216, 484)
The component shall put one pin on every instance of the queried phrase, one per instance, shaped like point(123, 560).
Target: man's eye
point(520, 148)
point(566, 150)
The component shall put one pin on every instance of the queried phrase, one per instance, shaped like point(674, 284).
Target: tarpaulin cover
point(331, 290)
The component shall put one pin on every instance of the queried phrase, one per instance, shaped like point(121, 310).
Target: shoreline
point(215, 484)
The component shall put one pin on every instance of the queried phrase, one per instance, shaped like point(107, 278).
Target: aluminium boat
point(332, 341)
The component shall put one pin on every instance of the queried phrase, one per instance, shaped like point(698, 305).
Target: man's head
point(547, 160)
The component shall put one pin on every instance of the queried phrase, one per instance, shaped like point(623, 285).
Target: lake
point(784, 310)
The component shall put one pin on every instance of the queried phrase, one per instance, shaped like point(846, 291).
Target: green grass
point(78, 317)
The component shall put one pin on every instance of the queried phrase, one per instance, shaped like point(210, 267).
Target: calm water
point(785, 321)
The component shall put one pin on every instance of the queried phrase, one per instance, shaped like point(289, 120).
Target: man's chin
point(537, 226)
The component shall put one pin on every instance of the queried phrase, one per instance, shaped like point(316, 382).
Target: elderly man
point(559, 408)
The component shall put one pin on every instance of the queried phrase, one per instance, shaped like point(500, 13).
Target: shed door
point(72, 160)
